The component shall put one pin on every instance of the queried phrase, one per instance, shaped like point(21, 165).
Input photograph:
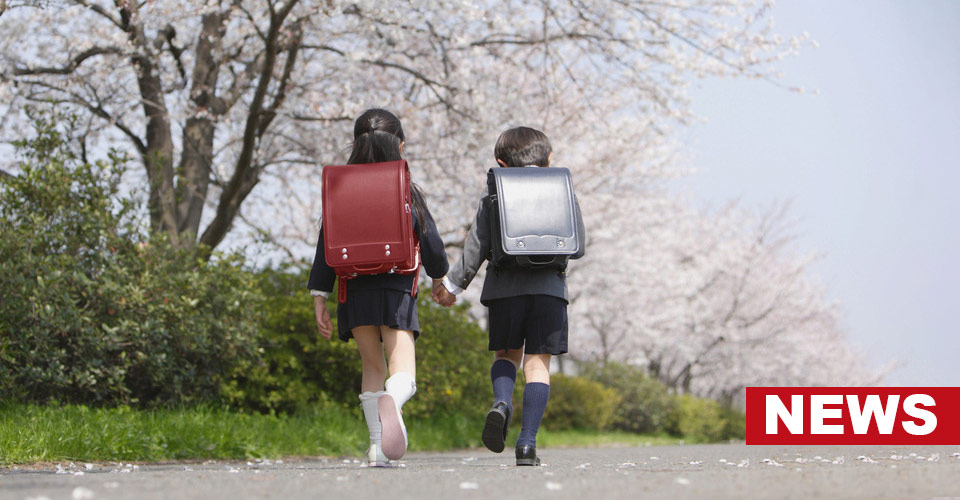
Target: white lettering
point(818, 413)
point(793, 420)
point(872, 410)
point(929, 419)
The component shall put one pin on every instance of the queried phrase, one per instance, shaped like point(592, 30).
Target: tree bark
point(158, 158)
point(197, 157)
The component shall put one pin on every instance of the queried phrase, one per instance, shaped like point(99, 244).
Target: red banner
point(853, 415)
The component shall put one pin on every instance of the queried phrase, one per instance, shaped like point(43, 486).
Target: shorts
point(537, 323)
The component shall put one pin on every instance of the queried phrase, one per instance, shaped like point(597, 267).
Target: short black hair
point(522, 146)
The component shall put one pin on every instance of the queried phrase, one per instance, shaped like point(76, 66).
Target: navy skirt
point(380, 306)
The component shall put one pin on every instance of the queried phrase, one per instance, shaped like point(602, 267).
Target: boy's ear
point(501, 162)
point(402, 143)
point(549, 159)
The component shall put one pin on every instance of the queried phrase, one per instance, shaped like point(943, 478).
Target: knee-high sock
point(368, 401)
point(535, 396)
point(401, 386)
point(503, 376)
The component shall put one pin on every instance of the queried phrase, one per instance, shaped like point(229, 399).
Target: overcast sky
point(872, 165)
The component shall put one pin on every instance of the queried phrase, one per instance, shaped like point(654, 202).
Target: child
point(527, 309)
point(379, 307)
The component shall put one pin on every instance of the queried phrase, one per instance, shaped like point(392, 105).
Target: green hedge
point(578, 403)
point(92, 312)
point(646, 405)
point(298, 368)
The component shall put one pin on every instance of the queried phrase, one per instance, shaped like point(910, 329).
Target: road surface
point(670, 472)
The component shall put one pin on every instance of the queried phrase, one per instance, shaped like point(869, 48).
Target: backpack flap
point(367, 218)
point(537, 215)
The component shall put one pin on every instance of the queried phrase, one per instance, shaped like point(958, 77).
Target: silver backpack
point(533, 218)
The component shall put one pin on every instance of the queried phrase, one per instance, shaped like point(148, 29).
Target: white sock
point(368, 400)
point(402, 386)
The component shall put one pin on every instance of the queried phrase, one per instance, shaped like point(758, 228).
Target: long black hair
point(378, 137)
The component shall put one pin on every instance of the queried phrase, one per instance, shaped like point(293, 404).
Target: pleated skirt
point(381, 306)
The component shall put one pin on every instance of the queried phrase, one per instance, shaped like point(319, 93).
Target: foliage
point(90, 311)
point(705, 420)
point(646, 404)
point(578, 403)
point(77, 433)
point(297, 367)
point(453, 363)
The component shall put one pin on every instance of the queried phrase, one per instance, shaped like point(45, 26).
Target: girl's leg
point(374, 371)
point(399, 388)
point(536, 369)
point(371, 358)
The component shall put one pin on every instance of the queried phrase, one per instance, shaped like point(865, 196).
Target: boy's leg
point(400, 387)
point(503, 376)
point(374, 371)
point(536, 370)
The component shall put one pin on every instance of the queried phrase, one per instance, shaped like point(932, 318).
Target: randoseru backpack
point(368, 221)
point(533, 220)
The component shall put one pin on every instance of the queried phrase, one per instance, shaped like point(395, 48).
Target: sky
point(871, 165)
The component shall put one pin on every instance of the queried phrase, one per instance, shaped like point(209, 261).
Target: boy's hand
point(323, 316)
point(441, 295)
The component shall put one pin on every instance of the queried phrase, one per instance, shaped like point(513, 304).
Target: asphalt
point(671, 472)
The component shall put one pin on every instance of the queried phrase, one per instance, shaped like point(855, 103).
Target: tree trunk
point(158, 157)
point(197, 157)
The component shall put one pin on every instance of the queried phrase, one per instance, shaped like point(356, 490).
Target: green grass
point(31, 433)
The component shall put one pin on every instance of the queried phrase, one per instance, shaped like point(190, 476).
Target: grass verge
point(31, 433)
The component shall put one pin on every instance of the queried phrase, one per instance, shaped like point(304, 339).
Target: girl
point(380, 313)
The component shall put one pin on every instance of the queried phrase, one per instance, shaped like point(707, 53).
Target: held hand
point(323, 317)
point(445, 298)
point(435, 292)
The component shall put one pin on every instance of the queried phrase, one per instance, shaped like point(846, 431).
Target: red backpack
point(368, 221)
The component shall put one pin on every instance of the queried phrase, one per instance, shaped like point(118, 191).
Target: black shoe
point(495, 429)
point(527, 455)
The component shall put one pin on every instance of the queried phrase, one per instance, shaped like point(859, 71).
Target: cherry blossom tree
point(715, 302)
point(229, 102)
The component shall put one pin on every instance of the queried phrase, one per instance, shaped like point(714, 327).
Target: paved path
point(672, 472)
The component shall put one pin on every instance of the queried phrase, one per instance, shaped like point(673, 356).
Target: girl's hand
point(323, 316)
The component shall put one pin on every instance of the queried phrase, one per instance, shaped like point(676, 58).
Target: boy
point(527, 309)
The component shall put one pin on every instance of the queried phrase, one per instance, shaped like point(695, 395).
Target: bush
point(578, 403)
point(646, 405)
point(700, 419)
point(297, 366)
point(92, 312)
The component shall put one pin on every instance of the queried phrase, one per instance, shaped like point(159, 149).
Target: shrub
point(700, 419)
point(578, 403)
point(646, 405)
point(92, 312)
point(297, 366)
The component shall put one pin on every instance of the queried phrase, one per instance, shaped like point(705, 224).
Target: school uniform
point(527, 306)
point(381, 299)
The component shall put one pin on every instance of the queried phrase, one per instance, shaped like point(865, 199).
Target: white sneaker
point(394, 434)
point(376, 458)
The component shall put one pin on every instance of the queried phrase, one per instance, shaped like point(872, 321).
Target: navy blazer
point(433, 258)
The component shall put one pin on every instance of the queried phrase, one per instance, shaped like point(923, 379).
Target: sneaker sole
point(492, 436)
point(528, 461)
point(392, 442)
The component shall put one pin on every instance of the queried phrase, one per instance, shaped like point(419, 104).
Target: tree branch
point(71, 66)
